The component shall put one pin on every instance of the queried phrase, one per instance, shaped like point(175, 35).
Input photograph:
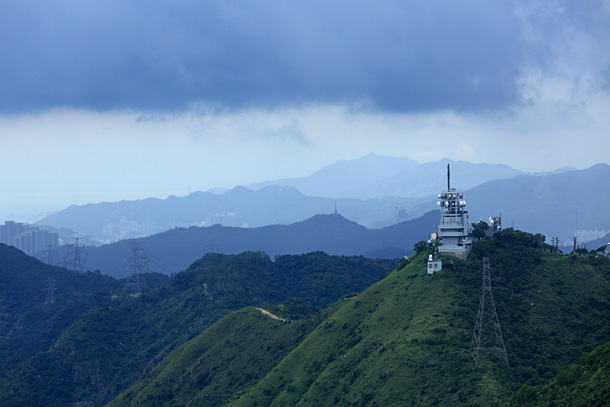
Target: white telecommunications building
point(454, 227)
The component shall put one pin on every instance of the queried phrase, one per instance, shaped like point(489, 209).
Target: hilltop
point(406, 339)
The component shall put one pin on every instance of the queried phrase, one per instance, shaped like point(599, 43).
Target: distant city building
point(454, 228)
point(27, 238)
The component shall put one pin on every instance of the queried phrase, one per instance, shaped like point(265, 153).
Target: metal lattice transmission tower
point(50, 289)
point(137, 265)
point(73, 259)
point(487, 338)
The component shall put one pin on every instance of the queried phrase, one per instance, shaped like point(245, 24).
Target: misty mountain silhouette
point(176, 249)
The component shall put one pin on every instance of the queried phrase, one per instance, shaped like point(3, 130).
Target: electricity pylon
point(72, 261)
point(50, 289)
point(487, 338)
point(137, 264)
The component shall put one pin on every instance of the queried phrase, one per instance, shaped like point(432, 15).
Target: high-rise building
point(27, 238)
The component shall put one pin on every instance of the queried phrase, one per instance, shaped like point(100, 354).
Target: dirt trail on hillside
point(265, 312)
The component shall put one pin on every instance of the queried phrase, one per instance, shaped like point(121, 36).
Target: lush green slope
point(406, 340)
point(585, 384)
point(224, 359)
point(28, 322)
point(112, 346)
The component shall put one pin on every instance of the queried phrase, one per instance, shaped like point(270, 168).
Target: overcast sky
point(109, 100)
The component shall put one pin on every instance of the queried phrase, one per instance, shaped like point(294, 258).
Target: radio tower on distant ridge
point(138, 264)
point(487, 337)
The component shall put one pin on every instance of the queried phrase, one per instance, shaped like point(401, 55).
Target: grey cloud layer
point(167, 55)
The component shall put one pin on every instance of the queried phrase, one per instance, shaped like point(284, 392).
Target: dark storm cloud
point(168, 55)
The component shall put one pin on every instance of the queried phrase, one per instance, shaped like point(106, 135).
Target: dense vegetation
point(406, 340)
point(29, 321)
point(224, 359)
point(116, 342)
point(584, 384)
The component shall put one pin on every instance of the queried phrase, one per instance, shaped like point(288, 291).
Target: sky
point(110, 100)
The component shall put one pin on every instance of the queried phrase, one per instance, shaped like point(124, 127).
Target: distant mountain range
point(555, 204)
point(373, 176)
point(175, 250)
point(238, 207)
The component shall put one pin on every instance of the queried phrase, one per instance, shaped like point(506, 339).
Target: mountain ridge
point(176, 249)
point(405, 340)
point(524, 200)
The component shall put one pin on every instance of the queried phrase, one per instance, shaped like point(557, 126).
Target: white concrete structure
point(454, 228)
point(434, 265)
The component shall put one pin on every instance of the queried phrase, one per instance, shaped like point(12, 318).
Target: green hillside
point(111, 346)
point(406, 340)
point(225, 358)
point(30, 321)
point(585, 384)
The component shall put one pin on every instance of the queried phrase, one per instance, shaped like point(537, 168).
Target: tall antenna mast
point(487, 337)
point(448, 178)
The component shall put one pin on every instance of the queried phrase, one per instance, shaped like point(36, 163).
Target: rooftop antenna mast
point(448, 178)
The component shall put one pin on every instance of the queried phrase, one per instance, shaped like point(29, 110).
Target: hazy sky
point(109, 100)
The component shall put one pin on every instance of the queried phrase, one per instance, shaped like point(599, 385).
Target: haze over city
point(103, 101)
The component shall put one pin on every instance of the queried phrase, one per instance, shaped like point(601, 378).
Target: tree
point(421, 246)
point(479, 230)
